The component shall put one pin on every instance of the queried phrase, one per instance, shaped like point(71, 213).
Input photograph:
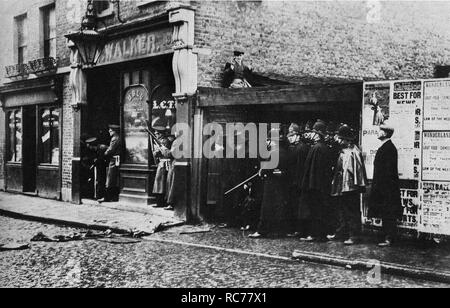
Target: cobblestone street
point(96, 263)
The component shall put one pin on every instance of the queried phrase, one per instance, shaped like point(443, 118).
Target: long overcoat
point(385, 200)
point(112, 174)
point(274, 207)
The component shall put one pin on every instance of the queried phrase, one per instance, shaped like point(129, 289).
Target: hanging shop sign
point(137, 46)
point(419, 110)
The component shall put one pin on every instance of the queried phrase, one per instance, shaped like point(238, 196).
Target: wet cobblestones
point(93, 263)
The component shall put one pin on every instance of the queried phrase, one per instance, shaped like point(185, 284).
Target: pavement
point(421, 260)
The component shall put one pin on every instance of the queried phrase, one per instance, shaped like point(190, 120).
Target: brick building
point(298, 49)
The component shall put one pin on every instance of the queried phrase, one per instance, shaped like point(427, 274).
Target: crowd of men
point(315, 191)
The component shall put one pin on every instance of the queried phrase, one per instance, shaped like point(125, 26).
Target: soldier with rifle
point(163, 158)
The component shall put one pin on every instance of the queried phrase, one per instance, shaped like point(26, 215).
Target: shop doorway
point(29, 162)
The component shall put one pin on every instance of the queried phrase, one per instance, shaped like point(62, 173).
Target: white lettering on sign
point(137, 46)
point(164, 105)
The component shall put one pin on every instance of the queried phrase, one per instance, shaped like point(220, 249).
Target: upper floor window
point(103, 7)
point(49, 31)
point(21, 38)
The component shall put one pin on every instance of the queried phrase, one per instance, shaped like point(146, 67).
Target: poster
point(419, 111)
point(435, 208)
point(405, 116)
point(375, 110)
point(436, 156)
point(436, 105)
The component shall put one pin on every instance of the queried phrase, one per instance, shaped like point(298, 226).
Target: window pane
point(21, 55)
point(18, 136)
point(52, 23)
point(54, 132)
point(45, 136)
point(11, 137)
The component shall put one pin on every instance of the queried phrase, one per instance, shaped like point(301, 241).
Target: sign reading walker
point(138, 46)
point(419, 110)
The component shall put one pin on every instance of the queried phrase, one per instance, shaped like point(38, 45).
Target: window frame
point(20, 39)
point(13, 147)
point(46, 31)
point(41, 161)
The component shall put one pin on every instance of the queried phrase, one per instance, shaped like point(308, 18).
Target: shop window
point(49, 31)
point(14, 136)
point(49, 136)
point(103, 7)
point(21, 38)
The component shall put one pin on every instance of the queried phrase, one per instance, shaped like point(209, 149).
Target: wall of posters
point(419, 110)
point(436, 156)
point(436, 112)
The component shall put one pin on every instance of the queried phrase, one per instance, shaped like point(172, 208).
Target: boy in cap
point(349, 181)
point(385, 200)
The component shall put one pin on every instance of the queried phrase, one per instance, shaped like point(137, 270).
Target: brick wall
point(324, 38)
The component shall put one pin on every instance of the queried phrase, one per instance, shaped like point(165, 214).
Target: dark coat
point(274, 205)
point(297, 158)
point(317, 178)
point(385, 200)
point(112, 174)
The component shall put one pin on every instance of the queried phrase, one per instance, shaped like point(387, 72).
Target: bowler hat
point(345, 132)
point(237, 53)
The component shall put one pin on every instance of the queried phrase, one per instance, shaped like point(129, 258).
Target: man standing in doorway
point(112, 155)
point(385, 201)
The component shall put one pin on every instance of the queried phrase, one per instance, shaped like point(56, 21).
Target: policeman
point(112, 156)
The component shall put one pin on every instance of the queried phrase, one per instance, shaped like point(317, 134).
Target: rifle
point(242, 183)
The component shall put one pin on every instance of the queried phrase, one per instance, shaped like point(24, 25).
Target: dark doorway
point(29, 149)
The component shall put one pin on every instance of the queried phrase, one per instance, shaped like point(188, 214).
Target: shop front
point(33, 137)
point(138, 80)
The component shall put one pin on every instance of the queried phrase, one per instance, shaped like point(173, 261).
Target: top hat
point(320, 127)
point(345, 132)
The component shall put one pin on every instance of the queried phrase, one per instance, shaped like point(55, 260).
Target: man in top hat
point(163, 158)
point(316, 185)
point(297, 153)
point(236, 73)
point(385, 200)
point(349, 181)
point(112, 156)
